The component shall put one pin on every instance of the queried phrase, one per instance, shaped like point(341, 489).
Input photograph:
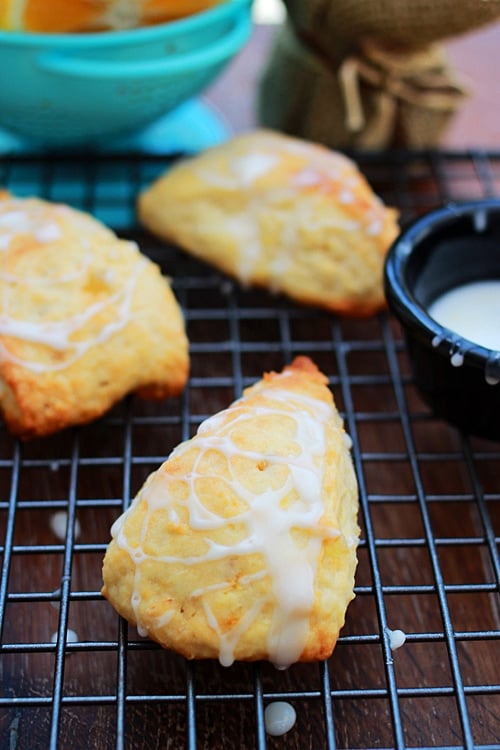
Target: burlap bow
point(404, 88)
point(369, 73)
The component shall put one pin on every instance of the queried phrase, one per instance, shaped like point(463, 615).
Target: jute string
point(370, 73)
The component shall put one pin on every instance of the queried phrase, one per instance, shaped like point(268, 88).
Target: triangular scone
point(242, 545)
point(281, 213)
point(85, 318)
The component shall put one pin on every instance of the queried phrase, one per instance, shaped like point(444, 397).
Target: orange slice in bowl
point(93, 15)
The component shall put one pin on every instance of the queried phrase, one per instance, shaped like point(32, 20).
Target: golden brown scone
point(242, 545)
point(281, 213)
point(85, 318)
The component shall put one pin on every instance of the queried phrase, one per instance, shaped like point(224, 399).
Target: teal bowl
point(65, 90)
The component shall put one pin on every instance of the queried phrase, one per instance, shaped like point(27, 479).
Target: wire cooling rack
point(73, 675)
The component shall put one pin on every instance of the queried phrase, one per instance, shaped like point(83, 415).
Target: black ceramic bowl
point(444, 249)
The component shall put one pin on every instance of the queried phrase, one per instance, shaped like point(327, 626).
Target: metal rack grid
point(72, 674)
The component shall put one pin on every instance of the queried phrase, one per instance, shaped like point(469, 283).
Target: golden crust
point(281, 213)
point(242, 545)
point(85, 319)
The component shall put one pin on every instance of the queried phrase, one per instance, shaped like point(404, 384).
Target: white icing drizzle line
point(229, 639)
point(269, 525)
point(57, 334)
point(242, 171)
point(458, 349)
point(279, 718)
point(492, 369)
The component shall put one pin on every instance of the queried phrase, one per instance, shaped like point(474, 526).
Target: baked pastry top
point(242, 545)
point(282, 213)
point(85, 318)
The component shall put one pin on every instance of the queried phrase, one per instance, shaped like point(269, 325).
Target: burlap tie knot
point(406, 88)
point(369, 73)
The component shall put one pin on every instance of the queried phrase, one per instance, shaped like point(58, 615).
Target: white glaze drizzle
point(29, 220)
point(240, 172)
point(492, 369)
point(480, 219)
point(59, 524)
point(397, 638)
point(279, 718)
point(250, 167)
point(269, 525)
point(457, 358)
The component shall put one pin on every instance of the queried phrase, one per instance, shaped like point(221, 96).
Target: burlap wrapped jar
point(367, 73)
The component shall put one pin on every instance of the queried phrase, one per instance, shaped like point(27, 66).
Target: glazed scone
point(281, 213)
point(85, 318)
point(242, 545)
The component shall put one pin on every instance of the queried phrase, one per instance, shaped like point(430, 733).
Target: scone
point(85, 319)
point(242, 545)
point(281, 213)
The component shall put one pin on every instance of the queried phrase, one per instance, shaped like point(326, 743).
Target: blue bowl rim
point(414, 316)
point(162, 31)
point(74, 67)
